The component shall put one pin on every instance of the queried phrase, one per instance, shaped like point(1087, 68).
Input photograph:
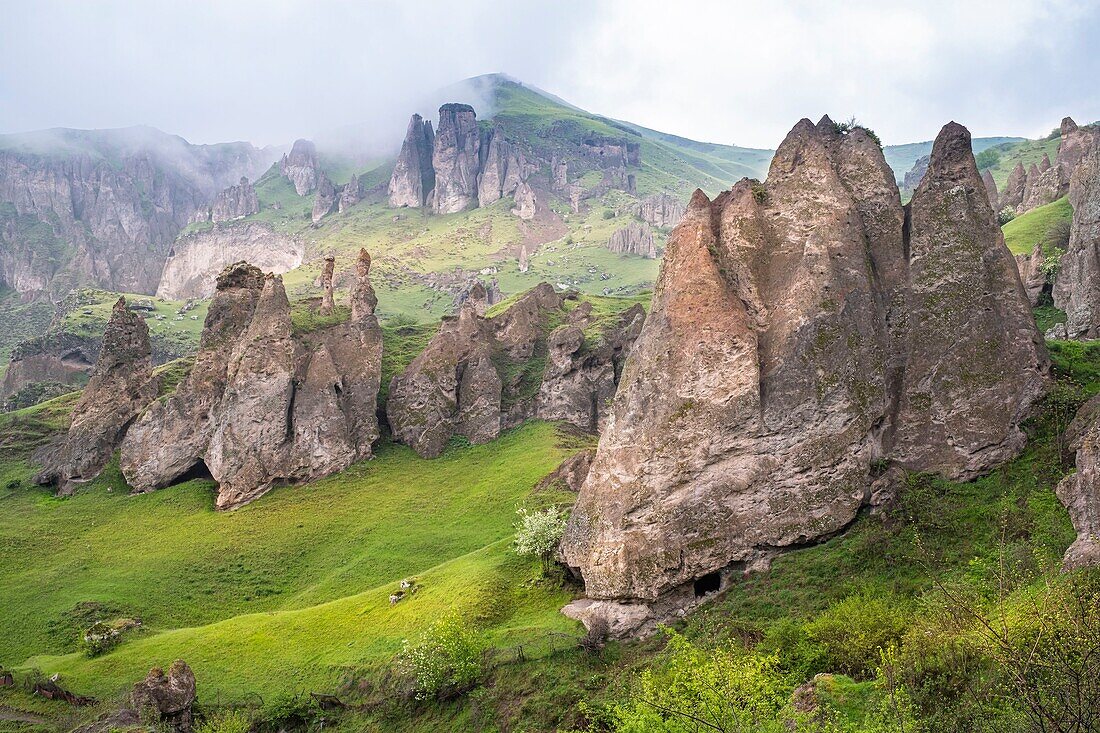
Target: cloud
point(740, 72)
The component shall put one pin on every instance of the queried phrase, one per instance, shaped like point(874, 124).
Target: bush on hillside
point(987, 158)
point(538, 534)
point(230, 721)
point(1005, 215)
point(855, 631)
point(446, 662)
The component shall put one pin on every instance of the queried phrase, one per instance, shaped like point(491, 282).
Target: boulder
point(327, 302)
point(1077, 287)
point(456, 159)
point(660, 210)
point(121, 385)
point(166, 699)
point(633, 239)
point(791, 341)
point(524, 259)
point(1080, 491)
point(413, 176)
point(300, 167)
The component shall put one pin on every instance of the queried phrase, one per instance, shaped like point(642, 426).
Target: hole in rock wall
point(199, 471)
point(709, 583)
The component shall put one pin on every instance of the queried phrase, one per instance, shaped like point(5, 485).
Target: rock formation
point(659, 210)
point(351, 193)
point(633, 239)
point(327, 303)
point(235, 202)
point(413, 175)
point(501, 169)
point(301, 167)
point(324, 200)
point(801, 330)
point(524, 261)
point(101, 208)
point(991, 189)
point(1032, 276)
point(1013, 195)
point(1080, 491)
point(121, 385)
point(916, 174)
point(1074, 145)
point(60, 357)
point(263, 406)
point(480, 375)
point(1077, 287)
point(1030, 180)
point(1044, 164)
point(166, 698)
point(1046, 188)
point(526, 203)
point(455, 159)
point(196, 260)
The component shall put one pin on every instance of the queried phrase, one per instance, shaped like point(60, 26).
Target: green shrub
point(538, 534)
point(988, 158)
point(1005, 215)
point(854, 631)
point(446, 662)
point(608, 214)
point(229, 721)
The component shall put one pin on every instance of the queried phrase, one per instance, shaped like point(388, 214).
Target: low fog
point(348, 74)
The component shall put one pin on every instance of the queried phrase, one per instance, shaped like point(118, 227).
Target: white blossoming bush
point(538, 534)
point(446, 661)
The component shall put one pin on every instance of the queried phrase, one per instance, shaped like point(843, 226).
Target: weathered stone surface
point(351, 193)
point(166, 698)
point(455, 159)
point(122, 384)
point(1029, 183)
point(500, 169)
point(1044, 164)
point(235, 202)
point(1046, 188)
point(570, 474)
point(524, 259)
point(1077, 287)
point(327, 302)
point(324, 200)
point(792, 336)
point(916, 174)
point(1013, 195)
point(1080, 491)
point(197, 259)
point(60, 358)
point(633, 239)
point(963, 398)
point(660, 210)
point(525, 201)
point(301, 168)
point(991, 189)
point(1075, 144)
point(1032, 276)
point(413, 175)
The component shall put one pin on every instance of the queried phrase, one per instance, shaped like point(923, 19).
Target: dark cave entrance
point(709, 583)
point(198, 471)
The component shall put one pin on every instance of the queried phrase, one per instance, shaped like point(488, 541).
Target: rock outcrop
point(1013, 195)
point(413, 176)
point(235, 202)
point(196, 259)
point(480, 375)
point(526, 203)
point(263, 406)
point(1080, 491)
point(916, 174)
point(501, 169)
point(166, 699)
point(121, 385)
point(991, 189)
point(324, 200)
point(633, 239)
point(327, 302)
point(300, 167)
point(660, 210)
point(1077, 287)
point(59, 357)
point(1031, 272)
point(1046, 188)
point(351, 193)
point(801, 330)
point(456, 158)
point(1075, 144)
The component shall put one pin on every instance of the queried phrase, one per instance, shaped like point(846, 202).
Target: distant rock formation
point(801, 330)
point(59, 357)
point(324, 200)
point(351, 193)
point(1013, 195)
point(524, 259)
point(197, 259)
point(1031, 272)
point(915, 175)
point(456, 159)
point(1044, 164)
point(301, 167)
point(1046, 188)
point(1077, 287)
point(413, 175)
point(327, 302)
point(526, 203)
point(121, 384)
point(261, 405)
point(474, 377)
point(660, 210)
point(633, 239)
point(991, 189)
point(1080, 491)
point(501, 169)
point(235, 202)
point(1075, 144)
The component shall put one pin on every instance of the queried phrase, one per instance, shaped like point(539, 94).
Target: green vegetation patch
point(1032, 227)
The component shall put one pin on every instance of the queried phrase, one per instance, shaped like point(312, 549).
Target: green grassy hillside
point(1031, 227)
point(1026, 152)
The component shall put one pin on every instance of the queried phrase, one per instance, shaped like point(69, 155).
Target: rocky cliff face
point(1077, 287)
point(58, 358)
point(300, 167)
point(262, 406)
point(1013, 195)
point(235, 202)
point(325, 199)
point(413, 176)
point(501, 169)
point(1080, 491)
point(1032, 276)
point(480, 375)
point(121, 384)
point(456, 159)
point(991, 189)
point(101, 208)
point(196, 260)
point(1075, 144)
point(350, 194)
point(800, 330)
point(660, 210)
point(916, 174)
point(633, 239)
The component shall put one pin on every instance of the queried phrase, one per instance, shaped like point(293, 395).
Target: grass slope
point(1023, 232)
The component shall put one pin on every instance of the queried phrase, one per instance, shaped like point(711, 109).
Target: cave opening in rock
point(709, 583)
point(199, 471)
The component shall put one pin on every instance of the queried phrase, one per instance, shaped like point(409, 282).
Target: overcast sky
point(732, 72)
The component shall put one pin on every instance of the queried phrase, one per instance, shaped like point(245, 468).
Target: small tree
point(446, 661)
point(538, 533)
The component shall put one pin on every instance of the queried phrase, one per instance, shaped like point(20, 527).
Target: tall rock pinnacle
point(456, 159)
point(413, 176)
point(327, 304)
point(301, 167)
